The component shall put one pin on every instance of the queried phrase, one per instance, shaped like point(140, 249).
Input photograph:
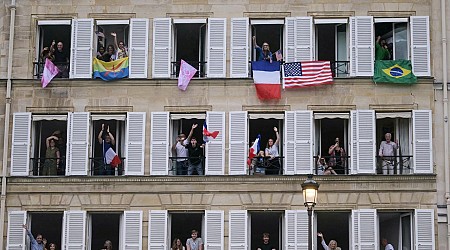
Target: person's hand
point(320, 234)
point(396, 141)
point(107, 130)
point(194, 125)
point(275, 129)
point(113, 34)
point(103, 126)
point(53, 43)
point(24, 226)
point(254, 37)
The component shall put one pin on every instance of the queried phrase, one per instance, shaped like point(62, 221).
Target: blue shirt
point(261, 56)
point(34, 244)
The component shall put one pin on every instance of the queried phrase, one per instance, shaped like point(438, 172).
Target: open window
point(394, 33)
point(190, 45)
point(329, 128)
point(39, 225)
point(103, 30)
point(46, 34)
point(182, 224)
point(334, 32)
point(325, 223)
point(268, 31)
point(266, 222)
point(103, 227)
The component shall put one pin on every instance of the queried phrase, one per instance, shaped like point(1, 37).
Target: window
point(334, 32)
point(394, 35)
point(40, 225)
point(200, 42)
point(265, 222)
point(190, 45)
point(116, 126)
point(105, 226)
point(104, 29)
point(326, 222)
point(48, 31)
point(182, 224)
point(267, 31)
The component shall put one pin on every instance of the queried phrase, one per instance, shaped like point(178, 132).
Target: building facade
point(148, 200)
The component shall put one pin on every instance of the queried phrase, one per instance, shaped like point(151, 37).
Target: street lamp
point(310, 188)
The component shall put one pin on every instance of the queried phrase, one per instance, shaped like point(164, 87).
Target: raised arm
point(113, 141)
point(324, 245)
point(331, 149)
point(116, 46)
point(47, 142)
point(277, 142)
point(99, 137)
point(254, 42)
point(32, 239)
point(190, 133)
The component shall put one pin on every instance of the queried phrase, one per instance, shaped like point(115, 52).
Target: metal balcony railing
point(266, 166)
point(181, 165)
point(38, 164)
point(338, 164)
point(200, 66)
point(38, 68)
point(97, 166)
point(394, 165)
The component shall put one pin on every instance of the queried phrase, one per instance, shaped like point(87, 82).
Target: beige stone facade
point(386, 195)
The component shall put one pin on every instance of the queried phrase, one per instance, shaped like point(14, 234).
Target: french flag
point(266, 76)
point(111, 157)
point(254, 149)
point(207, 134)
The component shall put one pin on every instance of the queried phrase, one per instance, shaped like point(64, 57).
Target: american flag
point(305, 74)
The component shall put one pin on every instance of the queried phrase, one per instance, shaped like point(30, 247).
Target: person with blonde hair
point(332, 245)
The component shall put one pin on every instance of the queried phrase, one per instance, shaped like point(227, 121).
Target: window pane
point(401, 41)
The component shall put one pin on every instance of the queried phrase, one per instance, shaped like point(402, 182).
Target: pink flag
point(186, 74)
point(50, 71)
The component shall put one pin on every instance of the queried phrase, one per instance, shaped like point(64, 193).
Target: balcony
point(199, 66)
point(38, 68)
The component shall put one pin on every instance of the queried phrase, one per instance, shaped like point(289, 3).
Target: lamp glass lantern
point(310, 188)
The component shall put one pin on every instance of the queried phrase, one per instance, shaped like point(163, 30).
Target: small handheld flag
point(254, 149)
point(207, 134)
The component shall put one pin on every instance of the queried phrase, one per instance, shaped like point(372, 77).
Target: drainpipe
point(7, 115)
point(445, 109)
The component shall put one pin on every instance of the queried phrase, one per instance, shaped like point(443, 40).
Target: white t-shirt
point(195, 245)
point(389, 247)
point(273, 151)
point(182, 150)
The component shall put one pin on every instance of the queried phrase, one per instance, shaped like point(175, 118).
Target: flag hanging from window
point(254, 150)
point(306, 74)
point(50, 71)
point(266, 76)
point(207, 134)
point(185, 75)
point(108, 71)
point(110, 156)
point(394, 71)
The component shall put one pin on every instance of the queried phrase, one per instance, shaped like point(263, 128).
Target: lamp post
point(310, 188)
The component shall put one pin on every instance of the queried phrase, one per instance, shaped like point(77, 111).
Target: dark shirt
point(263, 56)
point(60, 56)
point(266, 247)
point(195, 154)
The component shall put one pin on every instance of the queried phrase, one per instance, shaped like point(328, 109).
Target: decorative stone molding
point(49, 110)
point(331, 108)
point(267, 15)
point(109, 109)
point(391, 13)
point(188, 109)
point(394, 107)
point(266, 108)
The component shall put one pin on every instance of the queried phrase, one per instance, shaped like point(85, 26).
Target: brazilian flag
point(394, 71)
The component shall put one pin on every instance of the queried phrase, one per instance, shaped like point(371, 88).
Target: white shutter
point(20, 151)
point(213, 230)
point(162, 37)
point(238, 230)
point(304, 39)
point(16, 233)
point(423, 146)
point(78, 143)
point(420, 45)
point(216, 47)
point(289, 143)
point(289, 39)
point(239, 47)
point(424, 229)
point(81, 56)
point(135, 141)
point(157, 230)
point(296, 222)
point(303, 142)
point(132, 230)
point(365, 141)
point(159, 143)
point(138, 47)
point(74, 230)
point(365, 229)
point(215, 148)
point(353, 142)
point(238, 142)
point(361, 50)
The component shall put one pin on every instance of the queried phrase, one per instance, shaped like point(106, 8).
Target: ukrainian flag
point(394, 71)
point(108, 71)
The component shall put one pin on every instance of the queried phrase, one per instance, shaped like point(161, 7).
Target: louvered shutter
point(239, 47)
point(289, 143)
point(81, 55)
point(157, 230)
point(216, 47)
point(78, 143)
point(289, 39)
point(132, 230)
point(135, 141)
point(16, 233)
point(365, 133)
point(138, 47)
point(304, 39)
point(238, 134)
point(303, 142)
point(353, 142)
point(162, 37)
point(424, 229)
point(215, 148)
point(20, 151)
point(296, 222)
point(364, 229)
point(238, 230)
point(214, 230)
point(423, 146)
point(74, 230)
point(420, 45)
point(159, 143)
point(361, 50)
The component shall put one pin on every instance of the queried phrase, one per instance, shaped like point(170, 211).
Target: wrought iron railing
point(390, 165)
point(340, 68)
point(187, 165)
point(266, 166)
point(38, 68)
point(200, 66)
point(39, 165)
point(99, 167)
point(333, 165)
